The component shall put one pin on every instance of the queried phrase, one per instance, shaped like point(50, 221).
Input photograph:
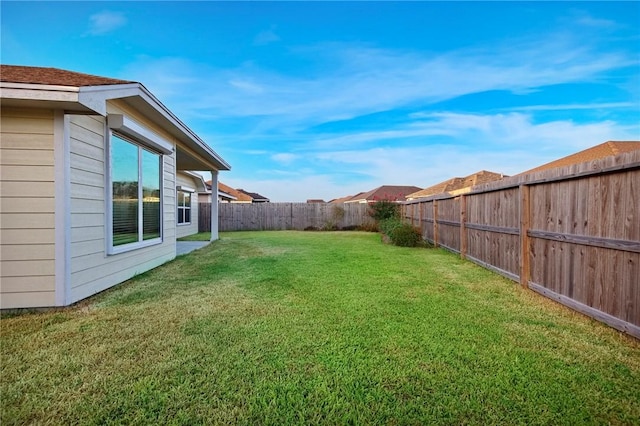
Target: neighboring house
point(384, 193)
point(315, 201)
point(226, 194)
point(457, 185)
point(255, 197)
point(344, 199)
point(96, 184)
point(603, 150)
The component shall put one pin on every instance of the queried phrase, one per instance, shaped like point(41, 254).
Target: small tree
point(383, 209)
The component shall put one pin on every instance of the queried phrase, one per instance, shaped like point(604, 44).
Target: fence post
point(421, 223)
point(525, 244)
point(463, 229)
point(435, 223)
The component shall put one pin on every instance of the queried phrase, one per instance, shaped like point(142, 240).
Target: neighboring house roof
point(237, 195)
point(343, 199)
point(457, 185)
point(255, 197)
point(225, 196)
point(83, 93)
point(315, 201)
point(603, 150)
point(224, 191)
point(384, 192)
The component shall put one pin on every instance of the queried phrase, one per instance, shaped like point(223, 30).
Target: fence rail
point(282, 216)
point(571, 234)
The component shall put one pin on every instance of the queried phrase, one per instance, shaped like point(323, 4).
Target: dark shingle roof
point(53, 76)
point(254, 195)
point(386, 192)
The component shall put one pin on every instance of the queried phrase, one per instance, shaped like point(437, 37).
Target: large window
point(136, 196)
point(184, 207)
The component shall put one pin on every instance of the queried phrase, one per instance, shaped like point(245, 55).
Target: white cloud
point(273, 109)
point(284, 157)
point(564, 107)
point(352, 80)
point(503, 143)
point(106, 22)
point(266, 37)
point(498, 130)
point(297, 190)
point(247, 86)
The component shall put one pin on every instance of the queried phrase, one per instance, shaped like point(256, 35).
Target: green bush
point(406, 236)
point(388, 226)
point(401, 234)
point(381, 210)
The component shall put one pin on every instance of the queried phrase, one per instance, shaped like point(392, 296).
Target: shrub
point(388, 226)
point(337, 215)
point(406, 236)
point(401, 234)
point(369, 227)
point(381, 210)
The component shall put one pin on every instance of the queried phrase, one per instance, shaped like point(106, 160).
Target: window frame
point(141, 146)
point(184, 190)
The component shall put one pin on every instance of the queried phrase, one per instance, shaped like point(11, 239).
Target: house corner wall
point(27, 208)
point(91, 269)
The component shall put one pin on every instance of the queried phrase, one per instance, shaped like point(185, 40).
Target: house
point(255, 197)
point(384, 193)
point(226, 194)
point(602, 150)
point(344, 199)
point(457, 185)
point(97, 184)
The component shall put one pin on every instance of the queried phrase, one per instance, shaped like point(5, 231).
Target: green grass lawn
point(317, 328)
point(202, 236)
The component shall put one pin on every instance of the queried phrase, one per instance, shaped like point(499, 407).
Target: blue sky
point(326, 99)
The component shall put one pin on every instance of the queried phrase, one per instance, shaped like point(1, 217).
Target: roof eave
point(94, 98)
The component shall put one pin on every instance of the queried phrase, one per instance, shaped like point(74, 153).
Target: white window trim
point(111, 249)
point(140, 134)
point(181, 188)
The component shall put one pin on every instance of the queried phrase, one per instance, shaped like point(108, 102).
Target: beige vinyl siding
point(27, 208)
point(191, 228)
point(91, 269)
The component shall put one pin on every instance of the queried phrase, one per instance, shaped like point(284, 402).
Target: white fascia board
point(130, 128)
point(38, 92)
point(43, 87)
point(159, 106)
point(95, 97)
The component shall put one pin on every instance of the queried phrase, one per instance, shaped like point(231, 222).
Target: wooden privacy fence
point(571, 234)
point(281, 216)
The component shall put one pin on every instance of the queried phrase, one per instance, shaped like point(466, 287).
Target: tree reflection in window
point(135, 176)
